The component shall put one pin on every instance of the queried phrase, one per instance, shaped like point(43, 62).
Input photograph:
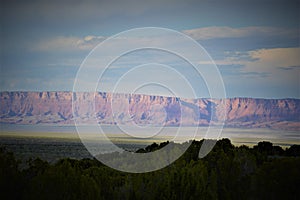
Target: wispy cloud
point(273, 58)
point(215, 32)
point(72, 43)
point(264, 68)
point(264, 60)
point(88, 42)
point(65, 43)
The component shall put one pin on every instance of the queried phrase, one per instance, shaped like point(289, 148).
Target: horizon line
point(229, 97)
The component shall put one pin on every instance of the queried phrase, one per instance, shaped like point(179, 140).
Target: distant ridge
point(56, 108)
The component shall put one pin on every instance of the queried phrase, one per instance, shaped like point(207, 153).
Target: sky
point(254, 44)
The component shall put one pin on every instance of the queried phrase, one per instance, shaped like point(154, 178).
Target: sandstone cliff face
point(56, 107)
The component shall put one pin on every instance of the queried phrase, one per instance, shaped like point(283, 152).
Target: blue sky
point(255, 44)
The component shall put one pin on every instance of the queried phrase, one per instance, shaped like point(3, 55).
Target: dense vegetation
point(227, 172)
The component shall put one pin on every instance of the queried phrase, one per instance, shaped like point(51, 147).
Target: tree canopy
point(227, 172)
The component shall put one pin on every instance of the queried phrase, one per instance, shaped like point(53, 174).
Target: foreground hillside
point(227, 172)
point(56, 107)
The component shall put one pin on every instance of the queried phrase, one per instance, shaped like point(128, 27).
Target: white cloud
point(263, 72)
point(257, 63)
point(89, 37)
point(274, 58)
point(272, 62)
point(71, 43)
point(277, 66)
point(263, 59)
point(213, 32)
point(57, 43)
point(89, 42)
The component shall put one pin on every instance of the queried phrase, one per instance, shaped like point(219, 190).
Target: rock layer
point(107, 108)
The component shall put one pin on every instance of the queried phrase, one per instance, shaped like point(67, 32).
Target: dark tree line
point(227, 172)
